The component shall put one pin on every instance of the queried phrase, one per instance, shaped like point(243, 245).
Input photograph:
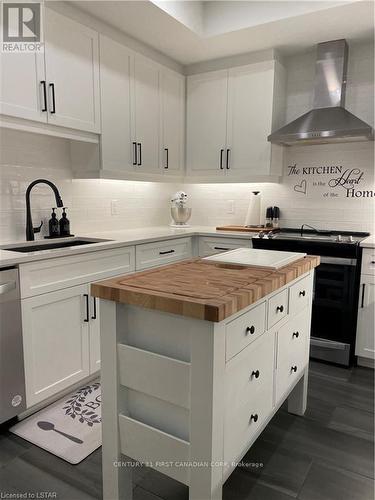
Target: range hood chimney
point(329, 121)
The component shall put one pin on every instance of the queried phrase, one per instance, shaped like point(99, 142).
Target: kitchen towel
point(70, 428)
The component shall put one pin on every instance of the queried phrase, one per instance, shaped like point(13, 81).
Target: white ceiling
point(197, 31)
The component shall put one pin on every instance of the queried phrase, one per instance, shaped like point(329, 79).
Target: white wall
point(25, 157)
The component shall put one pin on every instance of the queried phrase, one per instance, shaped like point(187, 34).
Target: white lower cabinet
point(210, 245)
point(56, 340)
point(365, 347)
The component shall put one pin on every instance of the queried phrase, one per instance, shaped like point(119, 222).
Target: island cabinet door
point(56, 341)
point(248, 395)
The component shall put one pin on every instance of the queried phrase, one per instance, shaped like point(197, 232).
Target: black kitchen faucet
point(30, 230)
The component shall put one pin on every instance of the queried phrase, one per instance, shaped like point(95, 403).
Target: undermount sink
point(39, 247)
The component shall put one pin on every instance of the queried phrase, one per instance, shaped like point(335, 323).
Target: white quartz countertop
point(120, 238)
point(368, 242)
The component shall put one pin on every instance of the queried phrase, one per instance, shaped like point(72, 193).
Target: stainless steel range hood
point(329, 121)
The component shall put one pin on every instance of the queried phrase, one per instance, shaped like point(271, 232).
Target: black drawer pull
point(255, 373)
point(52, 87)
point(280, 309)
point(94, 303)
point(135, 161)
point(250, 329)
point(43, 82)
point(254, 417)
point(86, 320)
point(302, 293)
point(295, 334)
point(166, 251)
point(221, 159)
point(221, 248)
point(166, 158)
point(293, 369)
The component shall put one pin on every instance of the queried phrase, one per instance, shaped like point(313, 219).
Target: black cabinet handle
point(302, 293)
point(43, 83)
point(363, 295)
point(221, 159)
point(167, 251)
point(221, 248)
point(280, 309)
point(140, 154)
point(167, 158)
point(293, 369)
point(255, 373)
point(52, 87)
point(134, 153)
point(250, 329)
point(227, 164)
point(254, 417)
point(94, 304)
point(86, 320)
point(295, 334)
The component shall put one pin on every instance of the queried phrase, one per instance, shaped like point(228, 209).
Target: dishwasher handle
point(7, 287)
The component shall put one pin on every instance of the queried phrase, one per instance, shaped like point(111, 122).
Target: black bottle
point(53, 225)
point(64, 224)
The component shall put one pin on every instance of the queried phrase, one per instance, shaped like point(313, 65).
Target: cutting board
point(268, 259)
point(246, 229)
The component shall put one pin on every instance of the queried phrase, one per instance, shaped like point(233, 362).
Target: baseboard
point(366, 362)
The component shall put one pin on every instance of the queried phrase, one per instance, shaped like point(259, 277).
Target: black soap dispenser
point(64, 224)
point(53, 224)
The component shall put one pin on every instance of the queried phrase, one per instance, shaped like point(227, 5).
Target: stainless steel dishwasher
point(12, 376)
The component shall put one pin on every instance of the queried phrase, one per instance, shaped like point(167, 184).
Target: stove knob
point(339, 238)
point(350, 239)
point(270, 235)
point(261, 234)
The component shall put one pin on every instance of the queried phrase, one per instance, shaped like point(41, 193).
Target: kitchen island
point(196, 359)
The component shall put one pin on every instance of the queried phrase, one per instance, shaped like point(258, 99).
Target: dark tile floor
point(326, 455)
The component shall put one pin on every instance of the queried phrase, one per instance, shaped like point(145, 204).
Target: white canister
point(253, 212)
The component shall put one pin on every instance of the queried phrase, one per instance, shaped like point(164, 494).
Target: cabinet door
point(366, 314)
point(206, 122)
point(55, 337)
point(94, 335)
point(22, 86)
point(172, 121)
point(72, 69)
point(146, 113)
point(116, 152)
point(250, 103)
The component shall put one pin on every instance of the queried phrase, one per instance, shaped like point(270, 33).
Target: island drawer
point(242, 427)
point(290, 369)
point(277, 308)
point(162, 252)
point(245, 329)
point(300, 294)
point(48, 275)
point(293, 336)
point(249, 375)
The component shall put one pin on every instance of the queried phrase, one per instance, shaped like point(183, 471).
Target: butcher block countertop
point(200, 289)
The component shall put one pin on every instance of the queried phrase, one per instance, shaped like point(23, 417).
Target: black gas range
point(336, 287)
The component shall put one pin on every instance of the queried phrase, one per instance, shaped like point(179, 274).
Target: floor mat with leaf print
point(69, 428)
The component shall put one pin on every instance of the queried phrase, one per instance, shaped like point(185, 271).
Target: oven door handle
point(339, 261)
point(328, 344)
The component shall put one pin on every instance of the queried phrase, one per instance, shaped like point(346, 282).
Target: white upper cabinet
point(172, 86)
point(250, 107)
point(206, 122)
point(59, 86)
point(230, 113)
point(146, 118)
point(22, 86)
point(115, 62)
point(72, 68)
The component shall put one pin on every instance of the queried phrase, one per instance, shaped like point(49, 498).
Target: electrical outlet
point(114, 207)
point(230, 207)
